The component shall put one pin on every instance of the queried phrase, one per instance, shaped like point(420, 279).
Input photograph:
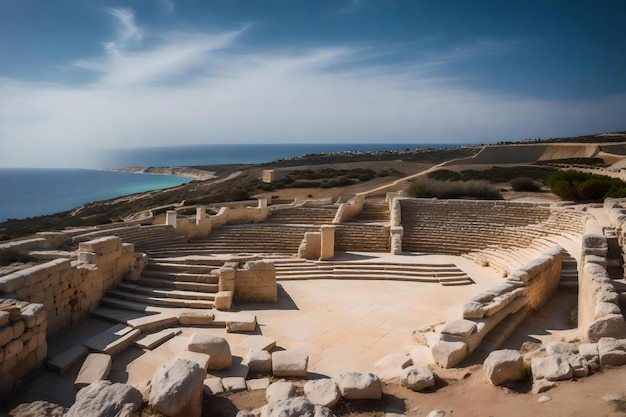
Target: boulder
point(294, 407)
point(449, 354)
point(258, 361)
point(256, 384)
point(280, 390)
point(473, 310)
point(551, 368)
point(359, 386)
point(216, 347)
point(502, 366)
point(104, 399)
point(417, 378)
point(38, 409)
point(458, 329)
point(392, 365)
point(612, 325)
point(177, 388)
point(290, 363)
point(322, 392)
point(589, 351)
point(612, 351)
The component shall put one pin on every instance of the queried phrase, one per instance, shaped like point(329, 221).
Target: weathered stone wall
point(541, 277)
point(239, 215)
point(23, 345)
point(70, 290)
point(311, 246)
point(350, 210)
point(256, 282)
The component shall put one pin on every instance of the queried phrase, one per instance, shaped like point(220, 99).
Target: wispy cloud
point(127, 30)
point(208, 88)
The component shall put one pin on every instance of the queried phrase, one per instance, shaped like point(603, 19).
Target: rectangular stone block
point(65, 360)
point(95, 368)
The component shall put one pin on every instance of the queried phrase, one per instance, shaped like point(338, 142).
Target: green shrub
point(525, 184)
point(428, 188)
point(576, 185)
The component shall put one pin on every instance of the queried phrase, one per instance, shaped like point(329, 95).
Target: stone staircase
point(569, 272)
point(302, 215)
point(362, 237)
point(242, 238)
point(377, 212)
point(300, 269)
point(143, 237)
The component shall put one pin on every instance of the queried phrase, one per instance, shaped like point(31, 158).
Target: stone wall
point(70, 290)
point(23, 345)
point(256, 282)
point(350, 210)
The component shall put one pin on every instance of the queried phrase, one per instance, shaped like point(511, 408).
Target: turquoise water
point(28, 192)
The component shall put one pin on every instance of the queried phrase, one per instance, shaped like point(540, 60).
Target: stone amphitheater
point(374, 288)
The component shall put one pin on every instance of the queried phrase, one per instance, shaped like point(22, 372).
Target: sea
point(31, 192)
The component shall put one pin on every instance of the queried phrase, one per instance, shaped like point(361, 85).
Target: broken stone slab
point(449, 354)
point(113, 340)
point(473, 310)
point(153, 322)
point(103, 399)
point(280, 390)
point(502, 366)
point(202, 359)
point(258, 361)
point(65, 360)
point(152, 340)
point(551, 368)
point(223, 300)
point(417, 378)
point(356, 385)
point(458, 329)
point(258, 342)
point(612, 325)
point(322, 392)
point(241, 323)
point(589, 351)
point(95, 368)
point(604, 309)
point(290, 363)
point(612, 351)
point(177, 389)
point(214, 346)
point(391, 366)
point(190, 317)
point(213, 385)
point(234, 384)
point(291, 407)
point(257, 384)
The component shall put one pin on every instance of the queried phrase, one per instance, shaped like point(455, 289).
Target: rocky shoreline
point(196, 174)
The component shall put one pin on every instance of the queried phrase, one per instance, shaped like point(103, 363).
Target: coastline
point(188, 172)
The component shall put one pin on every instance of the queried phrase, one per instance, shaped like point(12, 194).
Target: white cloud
point(127, 31)
point(198, 88)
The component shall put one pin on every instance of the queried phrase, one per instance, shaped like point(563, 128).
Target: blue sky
point(77, 76)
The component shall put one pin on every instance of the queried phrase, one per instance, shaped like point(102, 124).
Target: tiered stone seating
point(362, 237)
point(143, 237)
point(302, 215)
point(374, 212)
point(300, 269)
point(242, 238)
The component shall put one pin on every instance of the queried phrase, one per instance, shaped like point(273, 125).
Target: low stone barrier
point(23, 345)
point(527, 288)
point(255, 282)
point(350, 210)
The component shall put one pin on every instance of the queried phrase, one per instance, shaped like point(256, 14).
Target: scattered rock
point(294, 407)
point(417, 378)
point(290, 363)
point(359, 386)
point(258, 361)
point(216, 347)
point(234, 384)
point(551, 368)
point(612, 351)
point(177, 388)
point(242, 323)
point(280, 390)
point(449, 354)
point(392, 365)
point(502, 366)
point(256, 384)
point(458, 329)
point(213, 385)
point(38, 409)
point(322, 392)
point(544, 399)
point(104, 399)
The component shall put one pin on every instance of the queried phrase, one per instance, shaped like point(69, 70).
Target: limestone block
point(177, 389)
point(417, 378)
point(234, 384)
point(473, 310)
point(95, 368)
point(502, 366)
point(612, 351)
point(223, 300)
point(322, 392)
point(102, 399)
point(280, 390)
point(257, 384)
point(391, 366)
point(449, 354)
point(455, 330)
point(290, 363)
point(589, 351)
point(594, 245)
point(216, 347)
point(241, 323)
point(290, 407)
point(195, 317)
point(202, 359)
point(258, 361)
point(359, 386)
point(65, 360)
point(213, 385)
point(551, 368)
point(612, 325)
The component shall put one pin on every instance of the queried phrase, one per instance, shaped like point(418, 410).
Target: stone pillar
point(397, 232)
point(327, 242)
point(170, 218)
point(227, 279)
point(262, 203)
point(200, 214)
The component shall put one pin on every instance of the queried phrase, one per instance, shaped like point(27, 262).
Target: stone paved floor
point(342, 324)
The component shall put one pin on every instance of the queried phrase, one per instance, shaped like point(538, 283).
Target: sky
point(80, 76)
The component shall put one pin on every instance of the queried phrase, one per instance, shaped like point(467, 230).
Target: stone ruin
point(105, 270)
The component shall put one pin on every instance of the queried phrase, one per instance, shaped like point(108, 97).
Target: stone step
point(180, 267)
point(137, 320)
point(159, 300)
point(179, 285)
point(113, 340)
point(164, 292)
point(95, 368)
point(181, 276)
point(153, 340)
point(65, 360)
point(128, 305)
